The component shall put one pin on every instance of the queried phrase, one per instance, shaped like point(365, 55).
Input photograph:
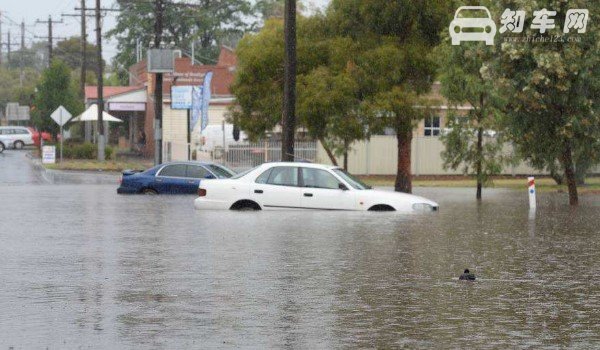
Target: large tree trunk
point(328, 151)
point(567, 161)
point(478, 166)
point(404, 176)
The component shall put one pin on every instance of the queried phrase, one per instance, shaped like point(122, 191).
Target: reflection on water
point(82, 266)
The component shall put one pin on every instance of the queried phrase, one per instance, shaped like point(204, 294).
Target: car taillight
point(201, 192)
point(121, 180)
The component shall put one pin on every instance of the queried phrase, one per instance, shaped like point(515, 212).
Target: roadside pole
point(61, 116)
point(189, 135)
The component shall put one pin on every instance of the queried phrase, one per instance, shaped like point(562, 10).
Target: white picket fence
point(241, 156)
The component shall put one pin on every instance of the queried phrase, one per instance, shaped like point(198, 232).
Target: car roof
point(193, 162)
point(302, 165)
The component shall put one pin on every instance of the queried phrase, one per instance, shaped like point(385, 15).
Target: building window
point(432, 126)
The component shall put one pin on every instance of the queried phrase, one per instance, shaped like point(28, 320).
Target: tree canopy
point(55, 89)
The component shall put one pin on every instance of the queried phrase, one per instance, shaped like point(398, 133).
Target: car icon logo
point(472, 23)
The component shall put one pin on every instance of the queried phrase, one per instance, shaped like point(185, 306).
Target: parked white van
point(15, 137)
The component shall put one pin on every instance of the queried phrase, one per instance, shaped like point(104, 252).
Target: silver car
point(15, 137)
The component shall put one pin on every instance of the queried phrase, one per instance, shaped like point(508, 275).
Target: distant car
point(46, 136)
point(472, 23)
point(274, 186)
point(16, 137)
point(171, 178)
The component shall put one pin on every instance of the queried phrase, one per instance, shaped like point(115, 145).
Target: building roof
point(91, 92)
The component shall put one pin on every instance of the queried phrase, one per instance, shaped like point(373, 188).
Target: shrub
point(83, 151)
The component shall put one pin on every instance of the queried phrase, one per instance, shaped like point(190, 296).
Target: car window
point(262, 179)
point(353, 181)
point(196, 172)
point(221, 171)
point(283, 176)
point(318, 178)
point(175, 170)
point(21, 131)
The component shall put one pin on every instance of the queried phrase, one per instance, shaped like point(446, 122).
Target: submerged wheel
point(149, 192)
point(1, 147)
point(19, 145)
point(245, 205)
point(381, 207)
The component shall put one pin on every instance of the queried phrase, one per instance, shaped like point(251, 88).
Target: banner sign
point(206, 94)
point(196, 106)
point(181, 97)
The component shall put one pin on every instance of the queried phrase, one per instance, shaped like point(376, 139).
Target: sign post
point(531, 190)
point(181, 98)
point(61, 116)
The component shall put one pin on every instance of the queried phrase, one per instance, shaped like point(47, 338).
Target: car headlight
point(424, 207)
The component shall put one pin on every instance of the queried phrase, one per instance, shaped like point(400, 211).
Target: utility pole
point(158, 84)
point(50, 38)
point(0, 38)
point(8, 45)
point(83, 47)
point(83, 50)
point(21, 77)
point(100, 122)
point(289, 89)
point(99, 72)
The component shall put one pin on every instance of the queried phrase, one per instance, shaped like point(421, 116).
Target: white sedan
point(287, 186)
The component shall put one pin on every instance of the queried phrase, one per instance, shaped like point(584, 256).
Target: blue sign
point(205, 99)
point(181, 97)
point(196, 106)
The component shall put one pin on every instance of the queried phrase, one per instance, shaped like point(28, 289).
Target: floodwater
point(82, 267)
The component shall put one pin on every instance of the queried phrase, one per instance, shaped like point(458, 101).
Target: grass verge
point(92, 165)
point(518, 183)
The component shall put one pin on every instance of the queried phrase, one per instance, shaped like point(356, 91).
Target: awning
point(91, 115)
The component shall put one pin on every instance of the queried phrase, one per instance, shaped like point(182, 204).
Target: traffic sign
point(61, 116)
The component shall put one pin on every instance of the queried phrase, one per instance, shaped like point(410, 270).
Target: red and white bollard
point(531, 190)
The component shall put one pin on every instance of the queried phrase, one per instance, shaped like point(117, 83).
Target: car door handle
point(159, 180)
point(308, 195)
point(191, 181)
point(258, 191)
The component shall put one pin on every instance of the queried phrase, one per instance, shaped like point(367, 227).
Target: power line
point(50, 38)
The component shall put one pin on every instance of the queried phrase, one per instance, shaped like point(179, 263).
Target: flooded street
point(84, 267)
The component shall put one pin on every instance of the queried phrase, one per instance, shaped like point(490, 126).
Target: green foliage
point(214, 23)
point(551, 92)
point(464, 72)
point(11, 89)
point(69, 51)
point(462, 152)
point(55, 89)
point(83, 151)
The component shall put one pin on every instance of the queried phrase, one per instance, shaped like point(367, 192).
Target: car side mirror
point(210, 176)
point(343, 187)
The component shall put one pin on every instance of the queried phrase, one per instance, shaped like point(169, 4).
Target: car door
point(277, 188)
point(171, 179)
point(321, 190)
point(195, 174)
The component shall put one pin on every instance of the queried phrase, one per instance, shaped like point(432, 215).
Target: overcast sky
point(32, 10)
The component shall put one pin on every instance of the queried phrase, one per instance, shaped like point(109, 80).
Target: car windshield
point(352, 180)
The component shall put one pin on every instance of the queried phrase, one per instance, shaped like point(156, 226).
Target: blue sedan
point(171, 178)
